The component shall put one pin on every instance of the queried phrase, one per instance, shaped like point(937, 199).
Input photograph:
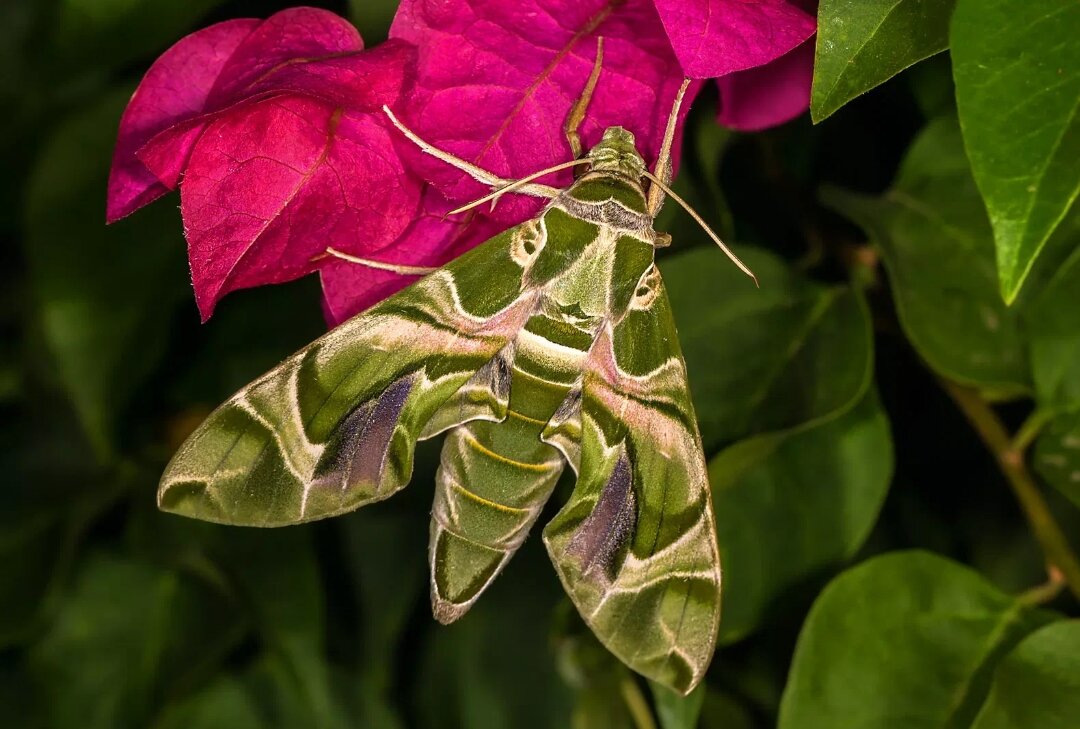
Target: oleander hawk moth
point(550, 345)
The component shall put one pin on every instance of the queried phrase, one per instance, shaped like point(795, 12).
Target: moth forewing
point(334, 426)
point(635, 546)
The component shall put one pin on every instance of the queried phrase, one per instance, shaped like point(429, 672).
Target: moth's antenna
point(494, 195)
point(663, 161)
point(705, 226)
point(477, 173)
point(381, 265)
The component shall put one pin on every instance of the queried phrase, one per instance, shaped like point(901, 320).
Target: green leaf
point(931, 84)
point(765, 359)
point(863, 43)
point(274, 575)
point(105, 295)
point(1057, 454)
point(1053, 326)
point(596, 676)
point(675, 711)
point(905, 640)
point(792, 505)
point(225, 702)
point(938, 251)
point(1038, 684)
point(127, 634)
point(1017, 70)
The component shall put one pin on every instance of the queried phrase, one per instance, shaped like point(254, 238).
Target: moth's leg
point(477, 173)
point(663, 162)
point(494, 195)
point(572, 127)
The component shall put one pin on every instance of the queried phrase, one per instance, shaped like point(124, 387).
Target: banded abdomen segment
point(494, 478)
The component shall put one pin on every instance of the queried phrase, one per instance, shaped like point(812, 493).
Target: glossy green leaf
point(863, 43)
point(906, 640)
point(1057, 454)
point(765, 359)
point(1038, 683)
point(939, 254)
point(1017, 70)
point(791, 505)
point(1052, 318)
point(105, 295)
point(126, 634)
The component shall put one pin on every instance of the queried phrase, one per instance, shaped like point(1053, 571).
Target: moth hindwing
point(551, 344)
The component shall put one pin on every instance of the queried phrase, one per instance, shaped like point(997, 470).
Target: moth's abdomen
point(495, 477)
point(493, 481)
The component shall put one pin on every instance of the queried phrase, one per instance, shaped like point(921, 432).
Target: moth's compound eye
point(648, 287)
point(527, 243)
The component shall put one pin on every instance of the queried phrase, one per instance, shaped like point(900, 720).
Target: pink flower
point(273, 132)
point(759, 51)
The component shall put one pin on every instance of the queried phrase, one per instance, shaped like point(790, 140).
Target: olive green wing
point(334, 427)
point(635, 546)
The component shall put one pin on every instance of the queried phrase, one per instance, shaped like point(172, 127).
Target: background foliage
point(894, 450)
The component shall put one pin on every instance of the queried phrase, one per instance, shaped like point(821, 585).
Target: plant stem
point(1030, 429)
point(1044, 593)
point(636, 703)
point(1011, 462)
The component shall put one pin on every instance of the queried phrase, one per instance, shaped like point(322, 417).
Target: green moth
point(550, 345)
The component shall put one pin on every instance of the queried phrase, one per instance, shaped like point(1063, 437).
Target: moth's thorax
point(601, 267)
point(595, 241)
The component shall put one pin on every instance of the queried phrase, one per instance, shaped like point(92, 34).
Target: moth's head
point(616, 153)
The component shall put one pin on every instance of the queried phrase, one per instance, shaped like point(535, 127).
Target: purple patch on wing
point(611, 523)
point(356, 456)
